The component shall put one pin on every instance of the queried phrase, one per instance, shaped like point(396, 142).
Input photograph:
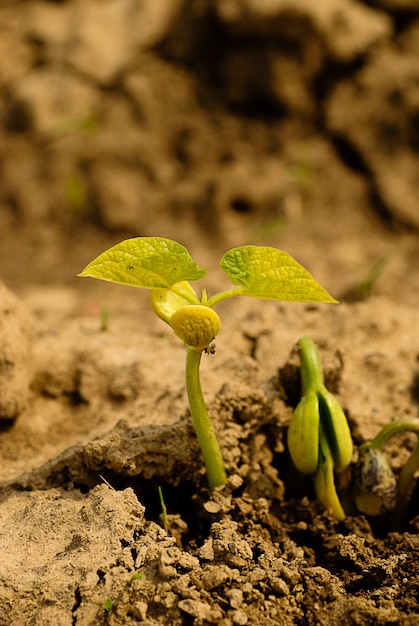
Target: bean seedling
point(166, 268)
point(320, 445)
point(319, 439)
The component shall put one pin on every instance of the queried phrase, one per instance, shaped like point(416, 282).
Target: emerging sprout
point(376, 490)
point(319, 439)
point(165, 267)
point(107, 605)
point(375, 485)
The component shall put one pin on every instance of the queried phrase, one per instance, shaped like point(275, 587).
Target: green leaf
point(149, 262)
point(264, 272)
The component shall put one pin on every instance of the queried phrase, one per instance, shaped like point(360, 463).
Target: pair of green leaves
point(159, 263)
point(165, 267)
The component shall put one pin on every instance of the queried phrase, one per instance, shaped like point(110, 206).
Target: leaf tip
point(331, 300)
point(86, 272)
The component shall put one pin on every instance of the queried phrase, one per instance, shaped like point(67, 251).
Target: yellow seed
point(196, 325)
point(374, 482)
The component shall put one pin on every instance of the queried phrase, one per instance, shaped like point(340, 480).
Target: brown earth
point(215, 123)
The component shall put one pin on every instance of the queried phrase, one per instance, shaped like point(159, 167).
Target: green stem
point(406, 478)
point(163, 510)
point(311, 369)
point(223, 295)
point(324, 480)
point(207, 438)
point(190, 297)
point(405, 487)
point(398, 426)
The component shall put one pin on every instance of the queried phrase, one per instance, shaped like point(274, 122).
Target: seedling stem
point(311, 369)
point(216, 474)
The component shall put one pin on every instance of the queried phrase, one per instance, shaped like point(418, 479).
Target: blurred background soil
point(217, 123)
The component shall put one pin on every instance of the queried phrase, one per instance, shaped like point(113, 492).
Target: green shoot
point(165, 267)
point(107, 605)
point(136, 576)
point(74, 191)
point(163, 510)
point(104, 317)
point(319, 439)
point(364, 287)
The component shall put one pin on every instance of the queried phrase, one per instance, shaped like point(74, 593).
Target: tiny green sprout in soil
point(107, 605)
point(166, 268)
point(163, 510)
point(136, 576)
